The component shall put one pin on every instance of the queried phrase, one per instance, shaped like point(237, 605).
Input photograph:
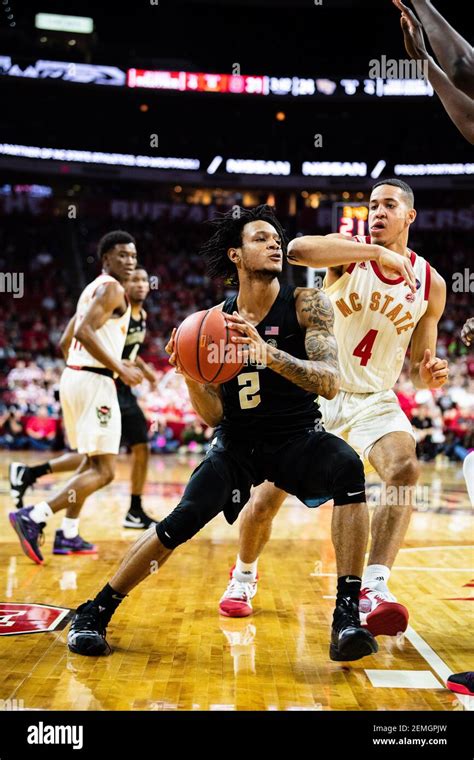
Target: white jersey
point(112, 334)
point(374, 320)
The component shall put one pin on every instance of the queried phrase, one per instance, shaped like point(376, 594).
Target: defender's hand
point(433, 371)
point(467, 332)
point(400, 264)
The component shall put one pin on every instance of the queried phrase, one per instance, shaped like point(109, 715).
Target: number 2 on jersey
point(363, 350)
point(249, 395)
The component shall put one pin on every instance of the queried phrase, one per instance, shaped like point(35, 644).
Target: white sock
point(70, 527)
point(41, 512)
point(245, 572)
point(468, 470)
point(375, 574)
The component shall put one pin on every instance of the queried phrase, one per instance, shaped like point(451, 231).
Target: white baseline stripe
point(435, 548)
point(437, 569)
point(436, 663)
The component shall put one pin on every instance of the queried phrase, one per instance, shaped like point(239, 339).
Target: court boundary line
point(436, 664)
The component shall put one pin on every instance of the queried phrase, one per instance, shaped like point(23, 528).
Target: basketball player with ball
point(376, 318)
point(267, 425)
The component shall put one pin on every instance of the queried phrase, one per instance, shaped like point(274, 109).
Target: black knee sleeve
point(349, 479)
point(183, 523)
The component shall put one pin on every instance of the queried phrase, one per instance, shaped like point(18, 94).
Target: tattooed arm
point(319, 373)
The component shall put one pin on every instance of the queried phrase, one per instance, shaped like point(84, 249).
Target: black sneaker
point(137, 518)
point(87, 632)
point(349, 641)
point(20, 479)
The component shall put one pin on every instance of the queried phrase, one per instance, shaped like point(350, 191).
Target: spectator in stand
point(424, 427)
point(41, 430)
point(163, 440)
point(12, 431)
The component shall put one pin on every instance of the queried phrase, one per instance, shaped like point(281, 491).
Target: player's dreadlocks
point(228, 234)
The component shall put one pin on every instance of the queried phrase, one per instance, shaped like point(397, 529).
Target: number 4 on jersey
point(364, 349)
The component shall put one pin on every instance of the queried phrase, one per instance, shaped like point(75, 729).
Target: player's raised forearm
point(319, 251)
point(447, 43)
point(206, 402)
point(459, 107)
point(320, 377)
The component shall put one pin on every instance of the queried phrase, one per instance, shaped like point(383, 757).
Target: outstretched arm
point(459, 107)
point(337, 251)
point(453, 52)
point(319, 373)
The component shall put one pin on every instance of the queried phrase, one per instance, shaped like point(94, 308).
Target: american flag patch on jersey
point(272, 330)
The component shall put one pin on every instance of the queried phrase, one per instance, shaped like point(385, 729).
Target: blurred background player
point(87, 389)
point(376, 317)
point(134, 430)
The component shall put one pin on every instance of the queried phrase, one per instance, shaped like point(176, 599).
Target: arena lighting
point(81, 73)
point(419, 170)
point(334, 169)
point(214, 165)
point(35, 191)
point(378, 169)
point(59, 23)
point(99, 157)
point(184, 81)
point(259, 166)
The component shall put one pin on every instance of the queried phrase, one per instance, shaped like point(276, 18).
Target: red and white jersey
point(374, 320)
point(112, 334)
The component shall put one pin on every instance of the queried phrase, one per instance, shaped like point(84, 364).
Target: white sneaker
point(18, 482)
point(381, 613)
point(236, 602)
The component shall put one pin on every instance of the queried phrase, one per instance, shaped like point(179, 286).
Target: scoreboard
point(350, 218)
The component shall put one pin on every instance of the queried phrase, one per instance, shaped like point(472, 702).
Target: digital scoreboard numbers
point(350, 218)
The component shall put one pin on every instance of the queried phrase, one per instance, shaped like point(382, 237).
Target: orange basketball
point(204, 349)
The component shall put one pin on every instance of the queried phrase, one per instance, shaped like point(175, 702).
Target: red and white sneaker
point(237, 599)
point(462, 683)
point(381, 613)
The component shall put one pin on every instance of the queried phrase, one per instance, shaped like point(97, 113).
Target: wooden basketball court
point(172, 650)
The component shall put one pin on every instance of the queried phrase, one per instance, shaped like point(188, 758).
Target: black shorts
point(134, 427)
point(315, 466)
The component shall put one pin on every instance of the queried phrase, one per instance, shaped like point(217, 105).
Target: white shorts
point(363, 418)
point(91, 412)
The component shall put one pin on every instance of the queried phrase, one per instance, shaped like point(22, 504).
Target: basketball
point(204, 349)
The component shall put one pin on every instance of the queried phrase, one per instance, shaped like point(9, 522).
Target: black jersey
point(259, 403)
point(133, 342)
point(135, 337)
